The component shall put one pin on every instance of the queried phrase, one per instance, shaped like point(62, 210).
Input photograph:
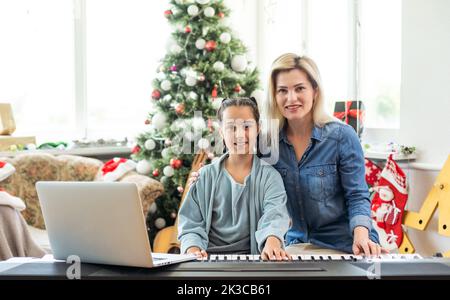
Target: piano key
point(234, 257)
point(221, 257)
point(213, 257)
point(243, 257)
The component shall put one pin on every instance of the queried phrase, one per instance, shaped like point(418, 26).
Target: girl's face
point(294, 94)
point(239, 129)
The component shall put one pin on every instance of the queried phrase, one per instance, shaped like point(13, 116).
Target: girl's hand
point(273, 251)
point(362, 245)
point(200, 253)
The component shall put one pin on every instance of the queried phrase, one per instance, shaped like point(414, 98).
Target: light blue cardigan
point(268, 213)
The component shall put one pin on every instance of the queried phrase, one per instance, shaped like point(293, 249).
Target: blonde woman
point(321, 162)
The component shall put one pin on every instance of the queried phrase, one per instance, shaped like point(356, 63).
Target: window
point(124, 42)
point(355, 43)
point(37, 70)
point(380, 62)
point(39, 58)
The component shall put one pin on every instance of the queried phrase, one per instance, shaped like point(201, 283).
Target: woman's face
point(239, 129)
point(294, 94)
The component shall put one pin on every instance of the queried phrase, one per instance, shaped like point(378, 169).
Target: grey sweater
point(265, 207)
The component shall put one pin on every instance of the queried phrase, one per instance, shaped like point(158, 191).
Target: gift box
point(352, 113)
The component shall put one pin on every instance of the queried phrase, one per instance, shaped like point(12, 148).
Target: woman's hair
point(288, 62)
point(241, 101)
point(285, 63)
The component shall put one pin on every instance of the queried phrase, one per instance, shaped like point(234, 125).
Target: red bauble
point(237, 88)
point(156, 94)
point(201, 77)
point(221, 14)
point(176, 163)
point(147, 122)
point(168, 13)
point(210, 46)
point(173, 68)
point(187, 29)
point(179, 109)
point(180, 189)
point(155, 173)
point(214, 91)
point(136, 149)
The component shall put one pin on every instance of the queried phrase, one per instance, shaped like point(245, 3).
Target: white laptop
point(100, 222)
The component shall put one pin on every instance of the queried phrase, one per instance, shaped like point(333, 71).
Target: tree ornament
point(160, 223)
point(201, 77)
point(203, 143)
point(153, 207)
point(210, 125)
point(218, 66)
point(168, 13)
point(167, 97)
point(149, 144)
point(190, 80)
point(159, 120)
point(200, 44)
point(167, 142)
point(193, 96)
point(143, 167)
point(239, 63)
point(211, 155)
point(210, 46)
point(165, 153)
point(175, 49)
point(180, 189)
point(225, 37)
point(173, 215)
point(216, 102)
point(237, 88)
point(147, 122)
point(168, 171)
point(155, 173)
point(214, 91)
point(202, 2)
point(173, 68)
point(156, 94)
point(176, 163)
point(166, 85)
point(220, 14)
point(192, 10)
point(187, 29)
point(164, 180)
point(179, 109)
point(209, 12)
point(136, 149)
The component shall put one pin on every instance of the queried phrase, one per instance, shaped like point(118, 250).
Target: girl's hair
point(285, 63)
point(241, 101)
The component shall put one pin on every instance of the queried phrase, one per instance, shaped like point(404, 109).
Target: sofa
point(33, 167)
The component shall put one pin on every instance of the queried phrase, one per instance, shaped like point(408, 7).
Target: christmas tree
point(204, 64)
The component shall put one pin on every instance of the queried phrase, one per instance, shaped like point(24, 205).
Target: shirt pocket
point(321, 181)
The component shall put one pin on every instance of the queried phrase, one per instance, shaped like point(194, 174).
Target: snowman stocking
point(388, 204)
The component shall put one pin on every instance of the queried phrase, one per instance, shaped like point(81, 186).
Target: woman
point(321, 162)
point(238, 204)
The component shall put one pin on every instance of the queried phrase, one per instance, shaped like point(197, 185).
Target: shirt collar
point(316, 134)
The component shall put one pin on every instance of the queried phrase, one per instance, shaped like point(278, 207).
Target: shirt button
point(321, 172)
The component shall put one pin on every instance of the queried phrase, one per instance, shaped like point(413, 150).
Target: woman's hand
point(200, 253)
point(194, 176)
point(273, 251)
point(362, 245)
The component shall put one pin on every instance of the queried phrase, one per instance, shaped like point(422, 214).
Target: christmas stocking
point(373, 173)
point(115, 168)
point(388, 205)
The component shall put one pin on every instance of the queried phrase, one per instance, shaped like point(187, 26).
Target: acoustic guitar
point(166, 240)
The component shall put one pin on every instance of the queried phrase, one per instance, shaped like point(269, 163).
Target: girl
point(237, 205)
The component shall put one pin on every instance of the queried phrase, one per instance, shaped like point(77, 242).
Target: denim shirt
point(327, 193)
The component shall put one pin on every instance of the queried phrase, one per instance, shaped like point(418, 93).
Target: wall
point(425, 105)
